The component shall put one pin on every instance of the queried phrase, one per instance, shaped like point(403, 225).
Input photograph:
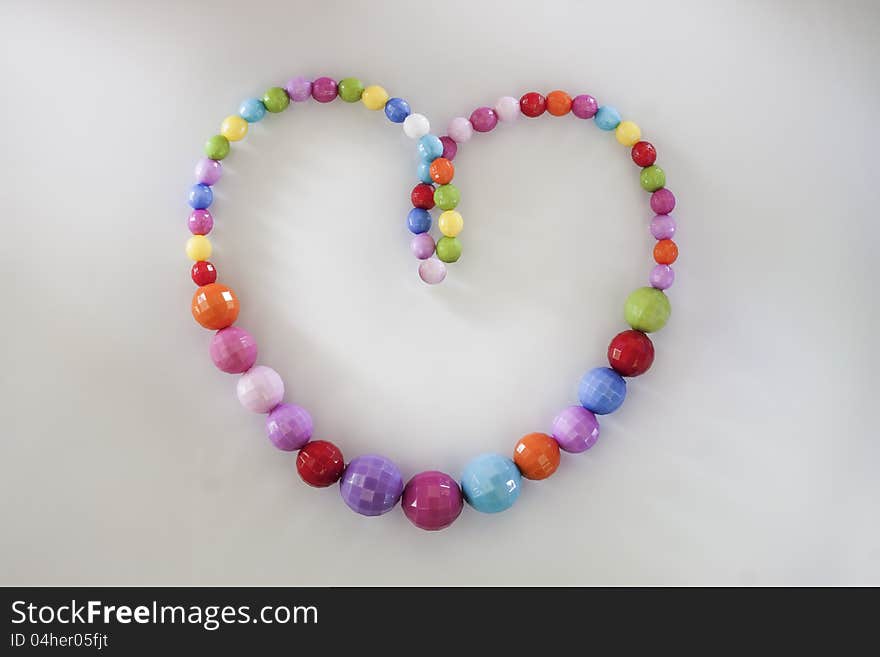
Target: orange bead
point(215, 306)
point(536, 455)
point(442, 171)
point(558, 103)
point(665, 252)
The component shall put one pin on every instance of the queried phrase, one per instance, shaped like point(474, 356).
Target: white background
point(747, 455)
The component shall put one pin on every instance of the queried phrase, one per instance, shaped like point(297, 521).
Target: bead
point(234, 128)
point(643, 153)
point(203, 273)
point(532, 104)
point(299, 89)
point(575, 429)
point(584, 106)
point(416, 126)
point(320, 463)
point(371, 485)
point(208, 171)
point(484, 119)
point(432, 500)
point(200, 196)
point(432, 271)
point(374, 97)
point(214, 306)
point(200, 222)
point(663, 227)
point(627, 133)
point(647, 309)
point(460, 130)
point(430, 148)
point(631, 353)
point(324, 90)
point(350, 89)
point(507, 109)
point(198, 247)
point(423, 172)
point(233, 350)
point(448, 249)
point(536, 455)
point(450, 223)
point(217, 147)
point(662, 277)
point(447, 197)
point(558, 103)
point(252, 110)
point(607, 118)
point(665, 252)
point(276, 100)
point(397, 109)
point(491, 483)
point(260, 389)
point(289, 427)
point(602, 390)
point(662, 201)
point(450, 148)
point(422, 196)
point(442, 171)
point(652, 178)
point(422, 246)
point(418, 221)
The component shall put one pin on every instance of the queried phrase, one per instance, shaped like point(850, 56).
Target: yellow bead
point(198, 247)
point(374, 97)
point(450, 223)
point(234, 128)
point(627, 133)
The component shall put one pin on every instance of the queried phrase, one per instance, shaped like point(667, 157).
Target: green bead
point(652, 178)
point(217, 147)
point(448, 249)
point(276, 99)
point(446, 197)
point(647, 309)
point(351, 90)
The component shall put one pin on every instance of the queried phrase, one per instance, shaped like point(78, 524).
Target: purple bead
point(233, 350)
point(432, 271)
point(484, 119)
point(422, 246)
point(576, 429)
point(584, 106)
point(662, 201)
point(662, 277)
point(299, 89)
point(324, 90)
point(432, 500)
point(200, 222)
point(289, 427)
point(208, 171)
point(450, 148)
point(663, 227)
point(371, 485)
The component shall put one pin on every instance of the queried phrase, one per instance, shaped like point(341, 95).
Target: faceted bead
point(447, 197)
point(397, 109)
point(536, 455)
point(320, 463)
point(643, 154)
point(532, 104)
point(507, 109)
point(374, 97)
point(418, 221)
point(371, 485)
point(423, 172)
point(627, 133)
point(584, 106)
point(260, 389)
point(422, 246)
point(422, 196)
point(484, 119)
point(558, 103)
point(324, 90)
point(450, 223)
point(663, 227)
point(299, 89)
point(491, 483)
point(663, 201)
point(208, 171)
point(607, 118)
point(289, 427)
point(602, 390)
point(276, 100)
point(647, 309)
point(198, 247)
point(350, 89)
point(416, 126)
point(665, 252)
point(442, 171)
point(252, 110)
point(233, 350)
point(200, 196)
point(450, 148)
point(432, 271)
point(448, 249)
point(662, 277)
point(460, 129)
point(432, 500)
point(234, 128)
point(575, 429)
point(200, 222)
point(214, 306)
point(217, 147)
point(203, 273)
point(652, 178)
point(631, 353)
point(430, 148)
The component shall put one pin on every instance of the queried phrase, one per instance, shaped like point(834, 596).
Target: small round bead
point(432, 271)
point(200, 222)
point(663, 227)
point(607, 118)
point(320, 463)
point(631, 353)
point(665, 252)
point(423, 172)
point(643, 153)
point(260, 389)
point(215, 306)
point(447, 197)
point(450, 148)
point(422, 196)
point(200, 196)
point(289, 427)
point(602, 390)
point(350, 89)
point(252, 110)
point(442, 171)
point(418, 221)
point(491, 483)
point(198, 247)
point(448, 249)
point(575, 429)
point(484, 119)
point(652, 178)
point(397, 109)
point(647, 309)
point(276, 100)
point(450, 223)
point(422, 246)
point(208, 171)
point(416, 126)
point(374, 97)
point(627, 133)
point(217, 147)
point(371, 485)
point(203, 273)
point(558, 103)
point(662, 277)
point(234, 128)
point(432, 500)
point(299, 89)
point(536, 455)
point(233, 350)
point(460, 129)
point(662, 201)
point(584, 106)
point(430, 148)
point(507, 109)
point(324, 90)
point(532, 104)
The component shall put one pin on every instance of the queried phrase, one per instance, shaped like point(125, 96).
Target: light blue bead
point(252, 110)
point(200, 197)
point(397, 109)
point(607, 117)
point(491, 483)
point(602, 390)
point(424, 172)
point(430, 148)
point(418, 221)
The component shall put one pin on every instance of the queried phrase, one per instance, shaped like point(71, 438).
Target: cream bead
point(198, 247)
point(450, 223)
point(627, 133)
point(374, 97)
point(234, 128)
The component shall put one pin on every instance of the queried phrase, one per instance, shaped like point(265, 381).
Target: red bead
point(423, 196)
point(203, 273)
point(532, 104)
point(631, 353)
point(320, 463)
point(643, 153)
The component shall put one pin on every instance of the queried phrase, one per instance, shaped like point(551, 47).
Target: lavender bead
point(200, 222)
point(507, 109)
point(233, 350)
point(662, 277)
point(584, 106)
point(260, 389)
point(662, 201)
point(299, 89)
point(371, 485)
point(422, 246)
point(460, 129)
point(663, 227)
point(208, 171)
point(432, 271)
point(484, 119)
point(575, 429)
point(289, 427)
point(324, 90)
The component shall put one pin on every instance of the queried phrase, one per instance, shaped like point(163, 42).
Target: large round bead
point(432, 500)
point(602, 390)
point(371, 485)
point(214, 306)
point(631, 353)
point(647, 309)
point(320, 463)
point(491, 483)
point(536, 455)
point(289, 427)
point(575, 429)
point(260, 389)
point(233, 350)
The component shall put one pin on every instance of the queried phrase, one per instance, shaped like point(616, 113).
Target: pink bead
point(233, 350)
point(584, 106)
point(432, 500)
point(432, 271)
point(450, 148)
point(460, 129)
point(299, 88)
point(484, 119)
point(662, 277)
point(662, 201)
point(260, 389)
point(422, 246)
point(663, 227)
point(507, 109)
point(200, 222)
point(208, 171)
point(324, 90)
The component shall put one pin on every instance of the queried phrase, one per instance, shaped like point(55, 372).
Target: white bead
point(460, 129)
point(507, 109)
point(416, 125)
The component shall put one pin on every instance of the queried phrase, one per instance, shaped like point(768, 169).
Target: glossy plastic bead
point(460, 130)
point(484, 119)
point(374, 97)
point(350, 89)
point(663, 201)
point(536, 455)
point(584, 106)
point(450, 223)
point(447, 197)
point(234, 128)
point(607, 118)
point(558, 103)
point(432, 500)
point(299, 89)
point(215, 306)
point(198, 247)
point(397, 109)
point(422, 196)
point(252, 110)
point(665, 252)
point(418, 221)
point(448, 249)
point(233, 350)
point(575, 429)
point(203, 273)
point(450, 148)
point(532, 104)
point(663, 227)
point(260, 389)
point(320, 463)
point(371, 485)
point(662, 277)
point(643, 153)
point(217, 147)
point(276, 100)
point(416, 126)
point(200, 196)
point(647, 309)
point(200, 222)
point(631, 353)
point(602, 390)
point(324, 90)
point(507, 109)
point(208, 171)
point(491, 483)
point(432, 271)
point(430, 148)
point(289, 427)
point(422, 246)
point(423, 172)
point(442, 171)
point(652, 178)
point(627, 133)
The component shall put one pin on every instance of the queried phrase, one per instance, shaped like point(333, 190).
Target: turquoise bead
point(252, 110)
point(424, 172)
point(430, 148)
point(607, 118)
point(491, 483)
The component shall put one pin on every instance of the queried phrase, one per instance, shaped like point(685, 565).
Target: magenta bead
point(299, 89)
point(208, 171)
point(662, 201)
point(422, 246)
point(663, 227)
point(432, 500)
point(260, 389)
point(432, 271)
point(584, 106)
point(450, 148)
point(233, 350)
point(324, 90)
point(575, 429)
point(289, 427)
point(200, 222)
point(484, 119)
point(662, 277)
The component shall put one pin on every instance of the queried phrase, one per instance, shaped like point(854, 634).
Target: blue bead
point(200, 196)
point(252, 110)
point(397, 109)
point(607, 117)
point(419, 221)
point(491, 483)
point(602, 390)
point(430, 148)
point(424, 172)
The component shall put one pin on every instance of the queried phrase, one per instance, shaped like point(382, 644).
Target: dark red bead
point(532, 104)
point(631, 353)
point(203, 273)
point(423, 196)
point(643, 153)
point(320, 463)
